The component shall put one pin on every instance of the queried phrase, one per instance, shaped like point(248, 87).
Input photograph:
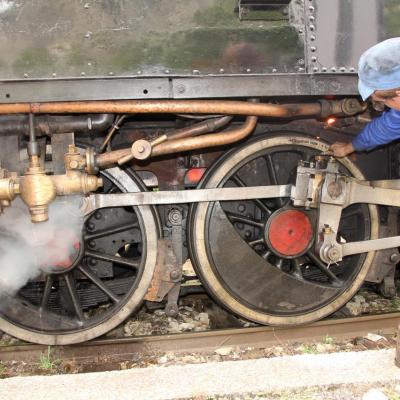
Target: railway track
point(122, 349)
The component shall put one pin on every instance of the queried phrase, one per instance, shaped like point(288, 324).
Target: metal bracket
point(321, 186)
point(162, 283)
point(168, 272)
point(175, 218)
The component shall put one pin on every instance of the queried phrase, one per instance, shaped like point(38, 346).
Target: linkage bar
point(96, 201)
point(370, 245)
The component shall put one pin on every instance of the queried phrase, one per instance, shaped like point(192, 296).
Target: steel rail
point(257, 337)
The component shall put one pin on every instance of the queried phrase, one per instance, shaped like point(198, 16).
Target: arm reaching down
point(381, 130)
point(340, 149)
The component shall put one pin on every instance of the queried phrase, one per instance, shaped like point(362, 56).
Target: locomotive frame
point(284, 66)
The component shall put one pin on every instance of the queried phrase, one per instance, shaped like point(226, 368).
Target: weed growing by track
point(46, 361)
point(309, 349)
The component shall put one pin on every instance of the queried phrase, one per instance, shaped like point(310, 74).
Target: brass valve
point(38, 190)
point(9, 188)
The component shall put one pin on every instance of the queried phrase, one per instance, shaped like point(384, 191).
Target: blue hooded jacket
point(379, 69)
point(381, 130)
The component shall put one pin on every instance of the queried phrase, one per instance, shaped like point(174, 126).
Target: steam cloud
point(26, 248)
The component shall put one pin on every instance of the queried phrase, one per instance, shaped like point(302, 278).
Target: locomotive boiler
point(140, 138)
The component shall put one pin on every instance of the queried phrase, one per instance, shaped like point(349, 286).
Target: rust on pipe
point(200, 128)
point(110, 158)
point(185, 144)
point(206, 141)
point(165, 107)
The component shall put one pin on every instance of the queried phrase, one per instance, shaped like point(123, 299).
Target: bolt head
point(334, 190)
point(327, 230)
point(241, 208)
point(333, 254)
point(74, 164)
point(171, 310)
point(175, 217)
point(174, 274)
point(141, 149)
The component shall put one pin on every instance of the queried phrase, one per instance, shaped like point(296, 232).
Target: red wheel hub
point(289, 233)
point(57, 250)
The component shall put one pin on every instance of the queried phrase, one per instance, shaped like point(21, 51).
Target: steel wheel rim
point(130, 301)
point(198, 238)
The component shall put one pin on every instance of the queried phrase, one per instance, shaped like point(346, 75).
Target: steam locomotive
point(143, 138)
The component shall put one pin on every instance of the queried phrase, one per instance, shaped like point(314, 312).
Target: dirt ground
point(201, 314)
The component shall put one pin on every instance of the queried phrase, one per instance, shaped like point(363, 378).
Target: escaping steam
point(28, 249)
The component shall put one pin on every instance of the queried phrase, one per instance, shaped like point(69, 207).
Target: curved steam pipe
point(184, 144)
point(198, 129)
point(206, 141)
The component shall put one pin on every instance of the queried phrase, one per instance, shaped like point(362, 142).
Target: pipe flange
point(352, 106)
point(91, 165)
point(141, 149)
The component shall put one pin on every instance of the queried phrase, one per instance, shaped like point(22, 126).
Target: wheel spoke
point(256, 242)
point(117, 260)
point(324, 269)
point(111, 231)
point(70, 283)
point(113, 189)
point(258, 202)
point(272, 175)
point(46, 292)
point(297, 269)
point(245, 220)
point(271, 169)
point(99, 284)
point(266, 254)
point(279, 263)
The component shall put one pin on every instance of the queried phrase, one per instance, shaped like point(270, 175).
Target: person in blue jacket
point(379, 79)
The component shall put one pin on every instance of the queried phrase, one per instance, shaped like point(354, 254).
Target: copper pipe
point(185, 144)
point(107, 159)
point(206, 141)
point(165, 106)
point(200, 128)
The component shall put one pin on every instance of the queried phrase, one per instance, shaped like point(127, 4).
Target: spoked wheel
point(102, 281)
point(255, 257)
